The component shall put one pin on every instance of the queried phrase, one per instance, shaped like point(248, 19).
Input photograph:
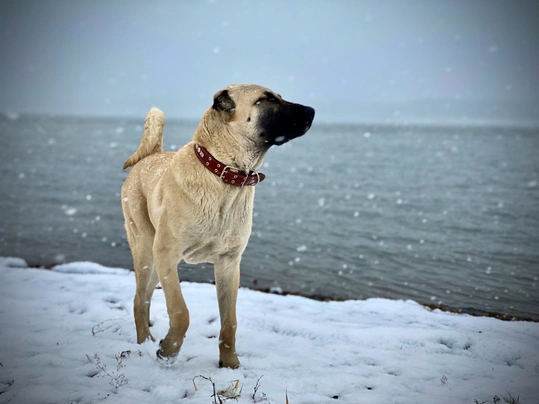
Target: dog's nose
point(309, 114)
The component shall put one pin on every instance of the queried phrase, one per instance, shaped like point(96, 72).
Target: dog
point(196, 204)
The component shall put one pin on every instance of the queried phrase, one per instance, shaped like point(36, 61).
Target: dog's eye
point(268, 98)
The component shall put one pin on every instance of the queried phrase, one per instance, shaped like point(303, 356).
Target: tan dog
point(196, 204)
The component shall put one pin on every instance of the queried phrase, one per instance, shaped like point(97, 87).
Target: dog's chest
point(220, 229)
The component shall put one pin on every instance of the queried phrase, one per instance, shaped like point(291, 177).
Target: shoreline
point(324, 298)
point(442, 307)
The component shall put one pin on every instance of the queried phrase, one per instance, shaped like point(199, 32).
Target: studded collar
point(229, 175)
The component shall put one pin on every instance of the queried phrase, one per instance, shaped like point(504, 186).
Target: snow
point(11, 115)
point(67, 335)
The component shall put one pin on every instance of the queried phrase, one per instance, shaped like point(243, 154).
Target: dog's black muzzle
point(286, 122)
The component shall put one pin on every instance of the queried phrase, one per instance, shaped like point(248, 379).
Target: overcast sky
point(117, 57)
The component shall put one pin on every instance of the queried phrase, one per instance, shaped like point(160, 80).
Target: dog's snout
point(309, 114)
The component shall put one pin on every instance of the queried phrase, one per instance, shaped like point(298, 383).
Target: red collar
point(236, 177)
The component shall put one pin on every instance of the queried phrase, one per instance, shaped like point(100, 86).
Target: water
point(443, 216)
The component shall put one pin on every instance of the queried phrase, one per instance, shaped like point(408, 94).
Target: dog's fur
point(175, 208)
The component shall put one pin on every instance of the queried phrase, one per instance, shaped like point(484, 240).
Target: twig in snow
point(117, 379)
point(6, 386)
point(510, 399)
point(263, 397)
point(257, 386)
point(215, 396)
point(100, 328)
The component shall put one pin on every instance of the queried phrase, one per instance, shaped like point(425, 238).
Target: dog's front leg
point(227, 281)
point(166, 265)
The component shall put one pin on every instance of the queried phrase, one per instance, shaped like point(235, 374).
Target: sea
point(447, 216)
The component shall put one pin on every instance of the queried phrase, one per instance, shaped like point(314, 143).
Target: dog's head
point(261, 115)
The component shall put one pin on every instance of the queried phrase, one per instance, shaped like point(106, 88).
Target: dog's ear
point(223, 102)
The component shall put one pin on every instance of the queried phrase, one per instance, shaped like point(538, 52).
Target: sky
point(120, 57)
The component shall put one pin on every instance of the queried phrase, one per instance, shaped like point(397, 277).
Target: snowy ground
point(62, 331)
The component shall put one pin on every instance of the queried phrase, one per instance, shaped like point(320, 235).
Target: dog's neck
point(229, 149)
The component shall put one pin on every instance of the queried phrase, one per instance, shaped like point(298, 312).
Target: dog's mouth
point(279, 140)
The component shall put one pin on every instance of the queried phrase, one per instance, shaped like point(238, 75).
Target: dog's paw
point(165, 361)
point(232, 363)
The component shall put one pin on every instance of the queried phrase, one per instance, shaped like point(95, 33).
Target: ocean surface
point(442, 215)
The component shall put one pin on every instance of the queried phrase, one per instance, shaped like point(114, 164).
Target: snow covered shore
point(67, 336)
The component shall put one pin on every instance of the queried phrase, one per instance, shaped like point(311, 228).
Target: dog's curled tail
point(152, 140)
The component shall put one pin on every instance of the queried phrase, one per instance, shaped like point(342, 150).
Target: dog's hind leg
point(227, 281)
point(146, 278)
point(146, 282)
point(166, 265)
